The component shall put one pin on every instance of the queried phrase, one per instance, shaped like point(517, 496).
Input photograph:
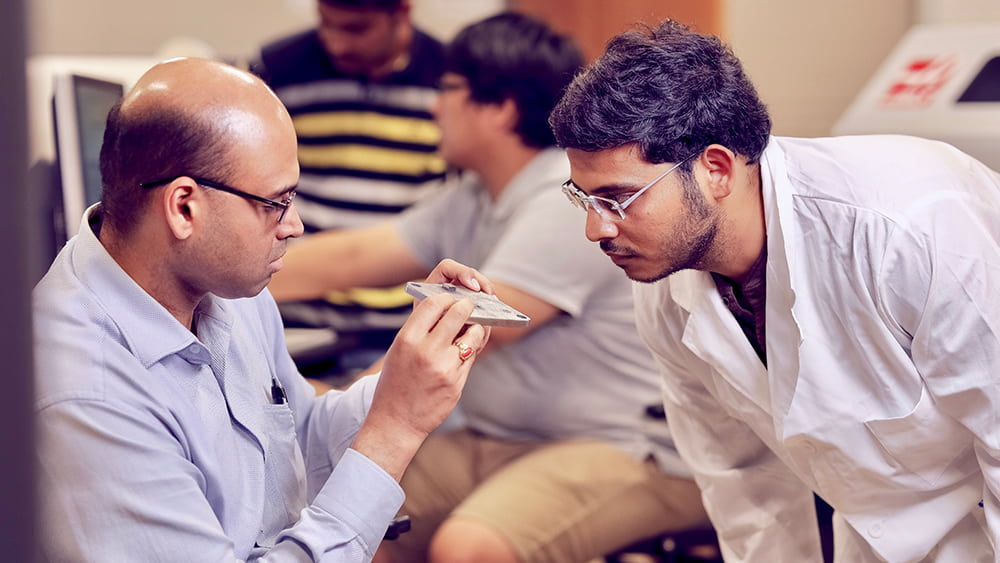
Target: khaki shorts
point(560, 502)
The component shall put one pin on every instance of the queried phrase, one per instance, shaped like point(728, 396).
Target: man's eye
point(357, 29)
point(620, 198)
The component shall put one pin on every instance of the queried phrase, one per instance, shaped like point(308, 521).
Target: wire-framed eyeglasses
point(281, 206)
point(610, 208)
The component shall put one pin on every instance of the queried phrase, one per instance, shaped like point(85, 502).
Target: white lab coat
point(882, 391)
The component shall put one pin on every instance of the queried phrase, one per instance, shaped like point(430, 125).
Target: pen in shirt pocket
point(278, 396)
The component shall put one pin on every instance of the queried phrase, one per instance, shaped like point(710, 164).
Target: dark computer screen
point(985, 87)
point(80, 110)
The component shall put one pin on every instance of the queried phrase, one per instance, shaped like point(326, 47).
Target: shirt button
point(196, 353)
point(875, 530)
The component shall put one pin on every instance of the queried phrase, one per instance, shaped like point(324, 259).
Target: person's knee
point(464, 541)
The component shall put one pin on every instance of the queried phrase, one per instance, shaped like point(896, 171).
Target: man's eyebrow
point(613, 189)
point(605, 189)
point(284, 192)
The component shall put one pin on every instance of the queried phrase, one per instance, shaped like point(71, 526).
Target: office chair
point(399, 525)
point(698, 545)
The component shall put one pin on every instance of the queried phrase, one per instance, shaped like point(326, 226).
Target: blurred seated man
point(172, 424)
point(359, 88)
point(557, 461)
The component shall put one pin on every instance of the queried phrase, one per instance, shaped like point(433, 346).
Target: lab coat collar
point(712, 332)
point(784, 336)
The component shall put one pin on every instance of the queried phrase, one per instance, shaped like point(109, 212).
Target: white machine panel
point(940, 82)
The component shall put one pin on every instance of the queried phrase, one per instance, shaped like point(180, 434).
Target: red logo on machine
point(917, 83)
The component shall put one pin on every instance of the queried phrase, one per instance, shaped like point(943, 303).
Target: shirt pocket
point(924, 441)
point(284, 473)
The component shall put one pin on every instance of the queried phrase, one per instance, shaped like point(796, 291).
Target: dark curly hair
point(669, 90)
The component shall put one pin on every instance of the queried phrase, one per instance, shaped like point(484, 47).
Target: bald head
point(205, 89)
point(183, 117)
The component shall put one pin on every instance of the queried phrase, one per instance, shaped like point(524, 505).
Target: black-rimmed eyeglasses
point(282, 206)
point(609, 208)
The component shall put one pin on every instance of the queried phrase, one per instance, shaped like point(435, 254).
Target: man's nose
point(599, 227)
point(337, 43)
point(435, 106)
point(291, 225)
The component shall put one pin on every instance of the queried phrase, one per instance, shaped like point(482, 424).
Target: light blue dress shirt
point(159, 444)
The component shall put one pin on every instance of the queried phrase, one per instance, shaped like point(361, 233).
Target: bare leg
point(466, 541)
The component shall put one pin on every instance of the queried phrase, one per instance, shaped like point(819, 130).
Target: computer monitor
point(80, 107)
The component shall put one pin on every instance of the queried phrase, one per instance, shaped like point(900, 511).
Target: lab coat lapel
point(711, 331)
point(713, 334)
point(784, 336)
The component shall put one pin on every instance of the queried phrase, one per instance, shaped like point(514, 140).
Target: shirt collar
point(147, 327)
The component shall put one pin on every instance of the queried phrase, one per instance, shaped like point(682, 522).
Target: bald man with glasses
point(172, 423)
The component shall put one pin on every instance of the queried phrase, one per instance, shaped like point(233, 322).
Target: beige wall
point(225, 28)
point(228, 27)
point(808, 58)
point(957, 11)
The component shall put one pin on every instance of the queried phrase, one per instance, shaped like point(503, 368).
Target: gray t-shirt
point(585, 373)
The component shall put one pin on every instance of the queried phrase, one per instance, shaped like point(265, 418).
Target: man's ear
point(507, 115)
point(720, 165)
point(182, 202)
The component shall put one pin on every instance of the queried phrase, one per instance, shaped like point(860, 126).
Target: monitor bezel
point(69, 145)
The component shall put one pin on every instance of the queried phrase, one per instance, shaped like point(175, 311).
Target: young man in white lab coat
point(873, 266)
